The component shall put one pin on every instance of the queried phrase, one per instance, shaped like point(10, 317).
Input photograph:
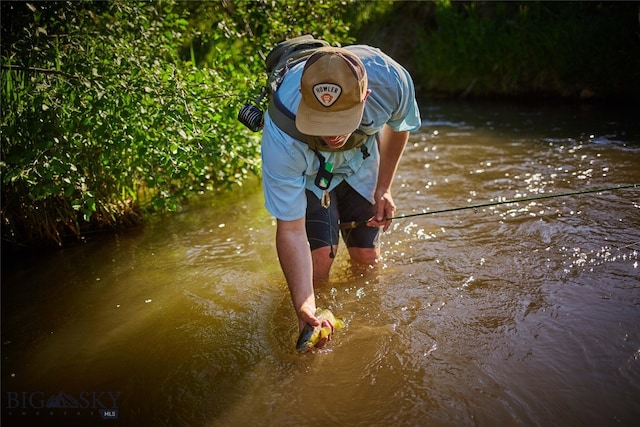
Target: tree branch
point(41, 70)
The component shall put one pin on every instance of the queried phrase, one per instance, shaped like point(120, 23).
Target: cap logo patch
point(327, 93)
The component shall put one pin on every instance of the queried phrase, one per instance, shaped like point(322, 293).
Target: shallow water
point(523, 314)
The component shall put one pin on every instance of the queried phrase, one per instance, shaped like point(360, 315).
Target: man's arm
point(295, 260)
point(391, 147)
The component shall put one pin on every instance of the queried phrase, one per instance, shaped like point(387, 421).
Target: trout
point(310, 335)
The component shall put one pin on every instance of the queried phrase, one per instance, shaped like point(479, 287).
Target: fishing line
point(354, 224)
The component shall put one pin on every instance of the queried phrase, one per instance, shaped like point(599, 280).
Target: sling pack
point(282, 57)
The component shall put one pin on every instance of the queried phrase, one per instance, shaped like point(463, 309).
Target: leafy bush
point(114, 109)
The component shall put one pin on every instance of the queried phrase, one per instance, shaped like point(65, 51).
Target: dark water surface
point(523, 314)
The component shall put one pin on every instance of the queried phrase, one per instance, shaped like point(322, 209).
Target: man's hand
point(322, 331)
point(319, 335)
point(391, 146)
point(306, 315)
point(385, 209)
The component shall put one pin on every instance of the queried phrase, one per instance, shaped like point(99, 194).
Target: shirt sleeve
point(283, 175)
point(407, 116)
point(392, 100)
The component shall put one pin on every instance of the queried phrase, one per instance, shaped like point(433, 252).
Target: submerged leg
point(322, 262)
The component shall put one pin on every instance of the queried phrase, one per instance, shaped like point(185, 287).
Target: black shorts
point(346, 206)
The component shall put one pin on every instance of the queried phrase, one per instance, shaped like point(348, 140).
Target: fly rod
point(354, 224)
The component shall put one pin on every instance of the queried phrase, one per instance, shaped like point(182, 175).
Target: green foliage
point(114, 109)
point(517, 48)
point(235, 37)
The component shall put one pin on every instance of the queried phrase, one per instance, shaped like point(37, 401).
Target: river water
point(524, 314)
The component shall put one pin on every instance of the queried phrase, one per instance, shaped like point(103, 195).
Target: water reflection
point(518, 314)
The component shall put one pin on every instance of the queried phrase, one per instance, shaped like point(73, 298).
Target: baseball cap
point(333, 88)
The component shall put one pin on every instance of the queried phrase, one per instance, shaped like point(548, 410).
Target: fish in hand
point(311, 336)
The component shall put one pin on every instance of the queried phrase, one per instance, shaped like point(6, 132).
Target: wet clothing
point(289, 166)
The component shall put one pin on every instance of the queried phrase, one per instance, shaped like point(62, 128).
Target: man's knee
point(322, 262)
point(365, 256)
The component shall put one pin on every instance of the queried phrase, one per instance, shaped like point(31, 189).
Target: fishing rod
point(354, 224)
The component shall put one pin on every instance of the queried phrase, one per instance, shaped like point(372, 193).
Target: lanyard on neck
point(323, 178)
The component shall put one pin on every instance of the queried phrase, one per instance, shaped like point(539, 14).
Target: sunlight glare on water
point(523, 313)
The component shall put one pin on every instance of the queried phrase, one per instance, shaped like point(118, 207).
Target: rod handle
point(350, 225)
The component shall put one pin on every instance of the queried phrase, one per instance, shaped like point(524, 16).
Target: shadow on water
point(153, 317)
point(519, 314)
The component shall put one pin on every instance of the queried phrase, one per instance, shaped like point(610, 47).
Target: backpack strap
point(292, 48)
point(286, 54)
point(286, 121)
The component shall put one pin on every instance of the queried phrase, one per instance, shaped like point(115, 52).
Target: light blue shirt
point(289, 166)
